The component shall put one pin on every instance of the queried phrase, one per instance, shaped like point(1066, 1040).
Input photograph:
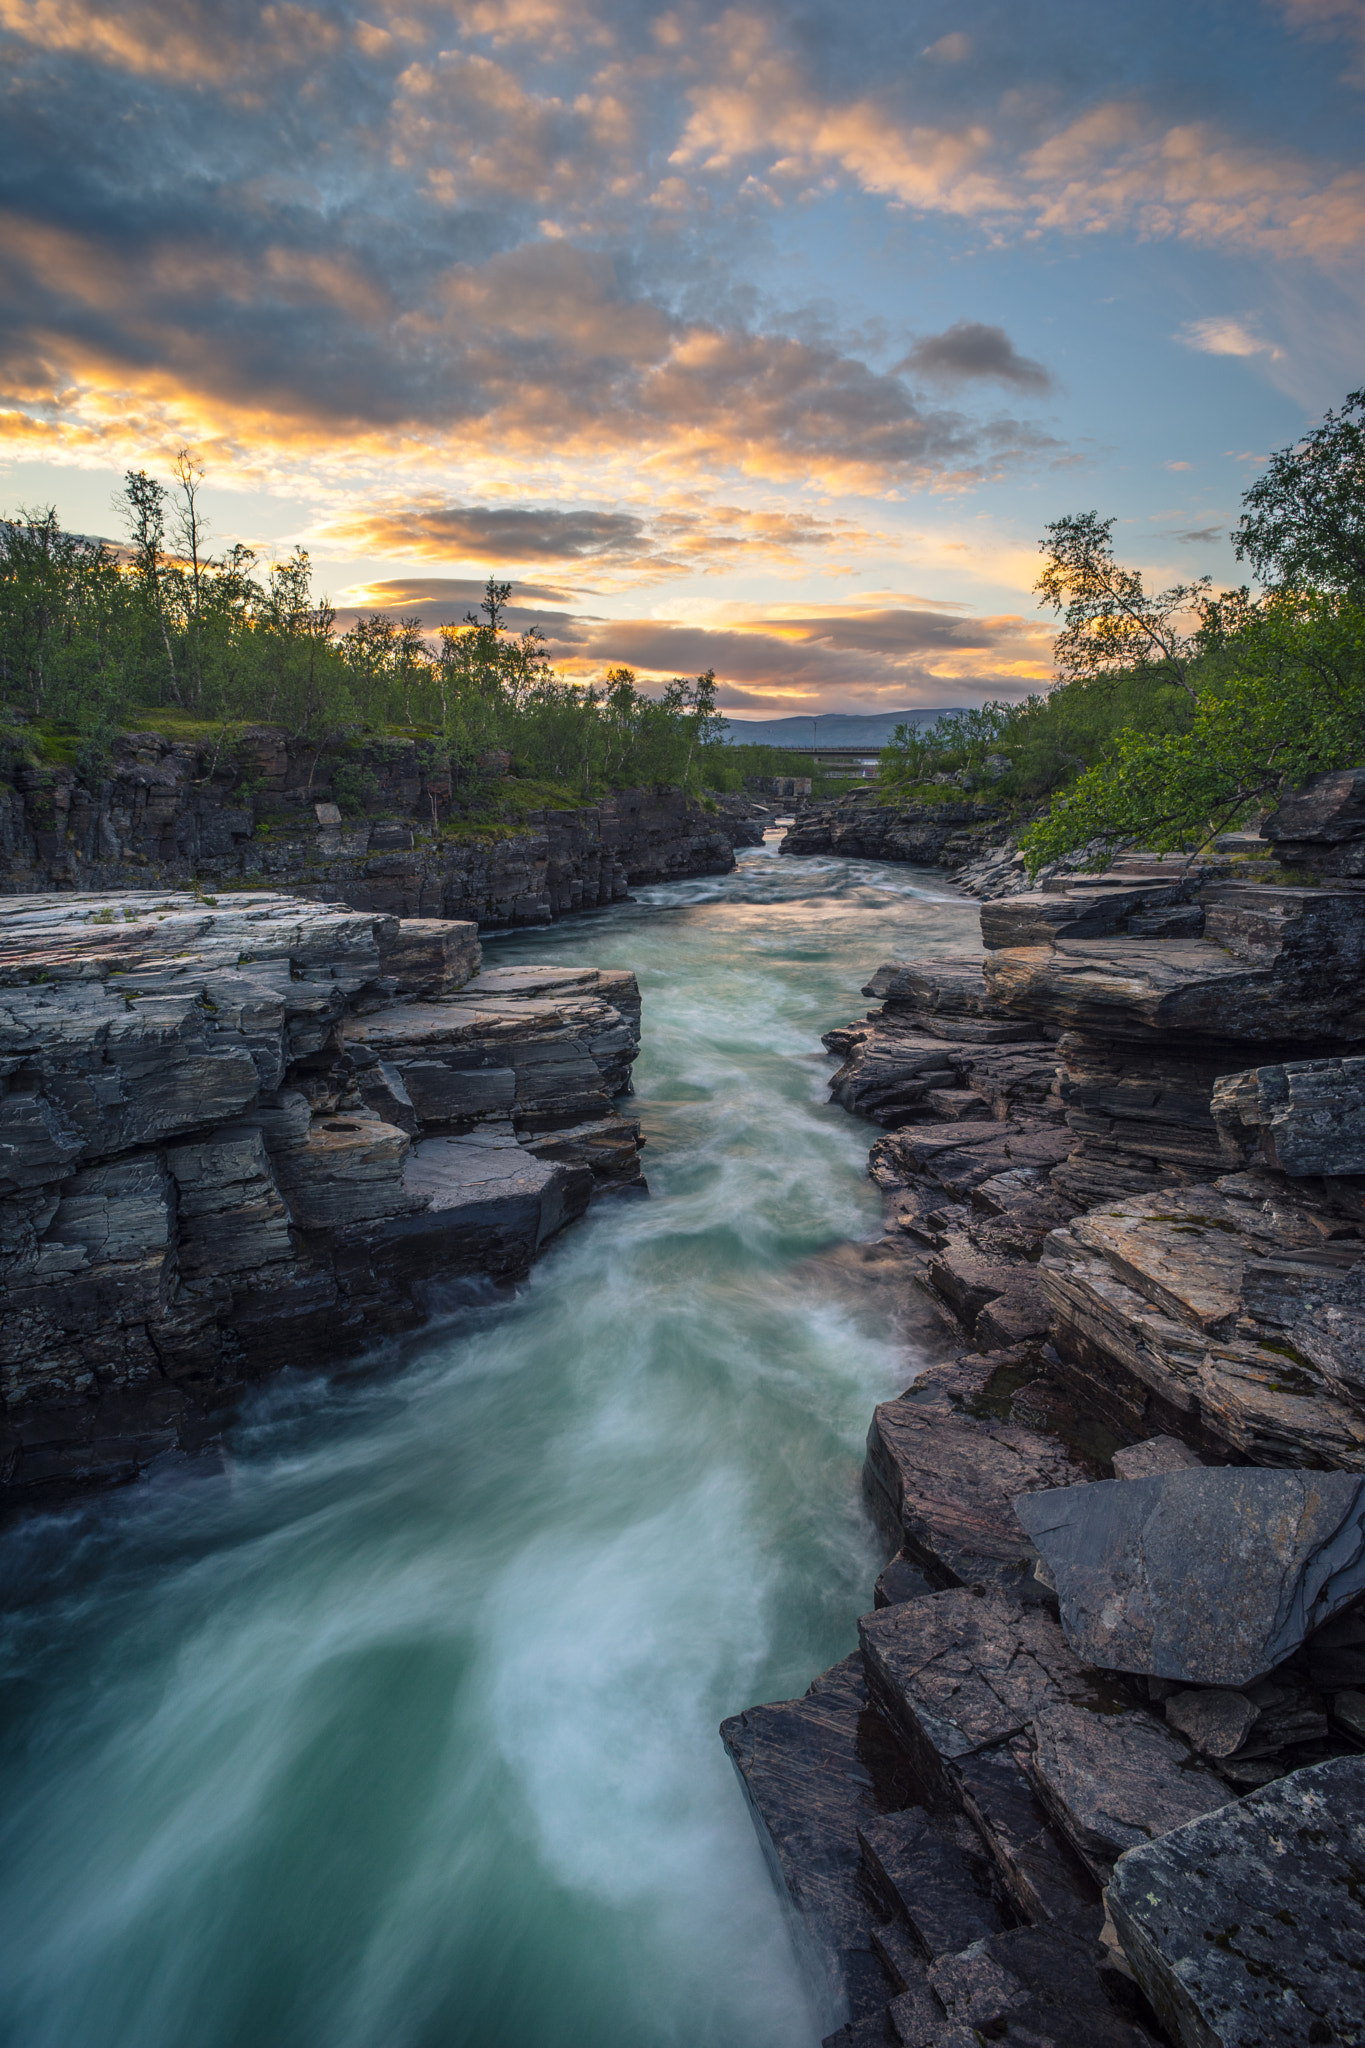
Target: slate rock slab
point(958, 1672)
point(1213, 1576)
point(1246, 1929)
point(1113, 1780)
point(1157, 1454)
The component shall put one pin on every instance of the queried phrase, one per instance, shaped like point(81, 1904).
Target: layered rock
point(169, 814)
point(1128, 1152)
point(253, 1132)
point(861, 826)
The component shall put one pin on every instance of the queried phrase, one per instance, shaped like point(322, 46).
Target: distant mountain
point(829, 729)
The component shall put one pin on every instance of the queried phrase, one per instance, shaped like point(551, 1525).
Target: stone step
point(920, 1870)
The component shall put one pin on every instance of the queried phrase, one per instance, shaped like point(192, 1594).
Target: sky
point(765, 339)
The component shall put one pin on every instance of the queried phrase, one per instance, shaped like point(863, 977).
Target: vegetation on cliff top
point(163, 634)
point(1185, 712)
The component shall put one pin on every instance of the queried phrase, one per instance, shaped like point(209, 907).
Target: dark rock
point(809, 1789)
point(1215, 1720)
point(1211, 1576)
point(1302, 1117)
point(1275, 963)
point(1248, 1926)
point(1336, 1652)
point(1111, 1780)
point(1222, 1314)
point(960, 1671)
point(1158, 1454)
point(948, 1478)
point(902, 1579)
point(1322, 825)
point(861, 827)
point(1044, 917)
point(1044, 1881)
point(253, 1133)
point(1348, 1711)
point(1036, 1985)
point(1175, 921)
point(922, 1871)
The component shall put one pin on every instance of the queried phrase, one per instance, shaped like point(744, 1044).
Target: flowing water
point(396, 1726)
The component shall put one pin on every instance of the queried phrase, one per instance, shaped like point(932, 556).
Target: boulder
point(1157, 1454)
point(1248, 1925)
point(1036, 1985)
point(1210, 1576)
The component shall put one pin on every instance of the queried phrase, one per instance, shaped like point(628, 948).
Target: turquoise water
point(396, 1727)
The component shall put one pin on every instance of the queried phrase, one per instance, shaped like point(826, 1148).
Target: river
point(394, 1725)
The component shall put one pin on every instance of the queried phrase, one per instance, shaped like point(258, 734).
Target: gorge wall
point(410, 844)
point(260, 1131)
point(1096, 1770)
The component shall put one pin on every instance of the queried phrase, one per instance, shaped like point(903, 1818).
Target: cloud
point(1117, 167)
point(680, 534)
point(1225, 337)
point(968, 349)
point(951, 49)
point(1323, 19)
point(1202, 536)
point(492, 533)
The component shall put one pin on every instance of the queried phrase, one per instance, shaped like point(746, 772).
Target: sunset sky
point(757, 338)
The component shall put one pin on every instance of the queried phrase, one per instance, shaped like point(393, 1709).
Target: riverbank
point(1129, 1158)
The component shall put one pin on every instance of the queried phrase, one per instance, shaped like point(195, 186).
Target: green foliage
point(1284, 699)
point(1304, 523)
point(171, 637)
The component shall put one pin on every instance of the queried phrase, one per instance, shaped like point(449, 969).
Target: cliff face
point(253, 1132)
point(171, 814)
point(862, 827)
point(1118, 1659)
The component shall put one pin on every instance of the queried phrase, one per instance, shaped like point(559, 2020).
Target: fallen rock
point(1212, 1576)
point(1158, 1454)
point(1247, 1926)
point(1215, 1720)
point(1112, 1780)
point(1036, 1985)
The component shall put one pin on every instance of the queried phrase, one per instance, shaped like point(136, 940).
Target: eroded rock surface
point(242, 1132)
point(1246, 1928)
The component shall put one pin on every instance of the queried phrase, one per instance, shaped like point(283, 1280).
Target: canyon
point(1120, 1152)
